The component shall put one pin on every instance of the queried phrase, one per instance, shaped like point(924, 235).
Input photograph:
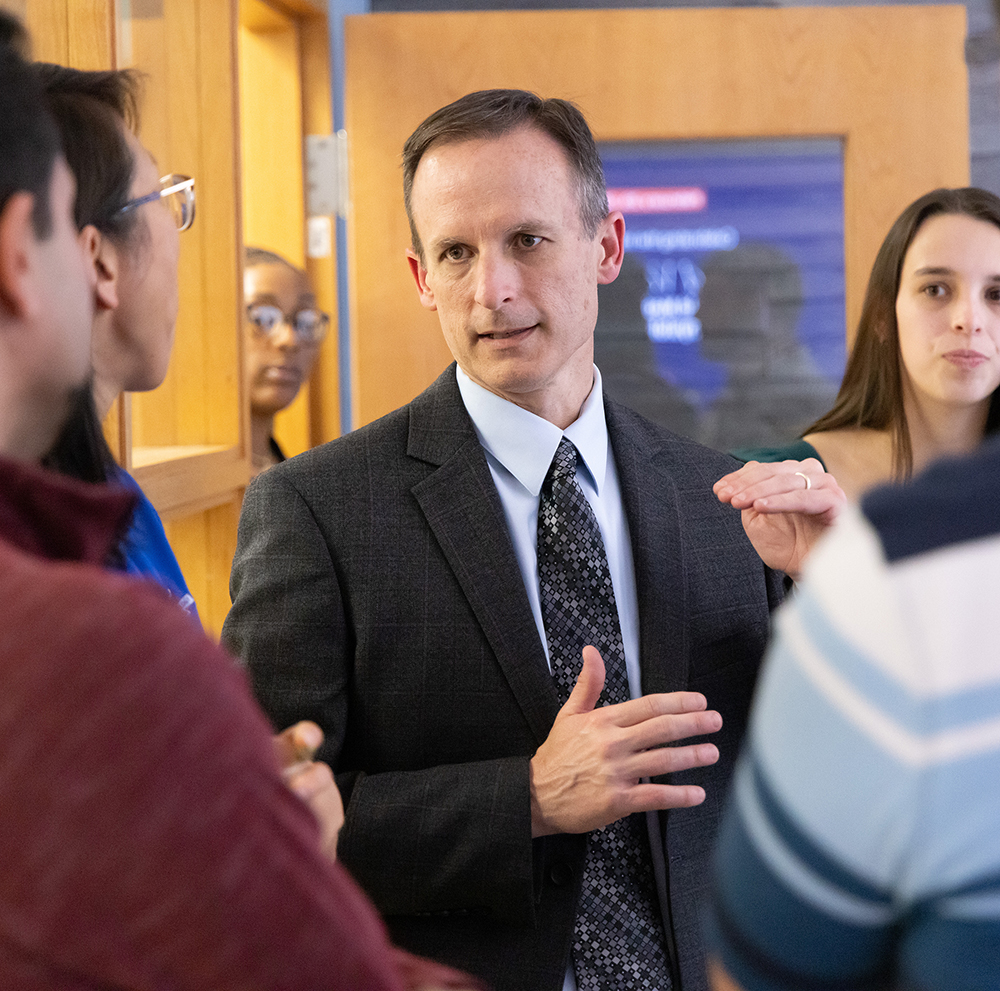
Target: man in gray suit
point(386, 586)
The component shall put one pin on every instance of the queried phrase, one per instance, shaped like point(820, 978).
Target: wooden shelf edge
point(187, 485)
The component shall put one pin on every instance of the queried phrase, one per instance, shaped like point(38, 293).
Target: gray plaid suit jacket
point(375, 591)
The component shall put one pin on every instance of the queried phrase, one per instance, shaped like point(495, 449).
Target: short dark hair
point(29, 141)
point(90, 109)
point(492, 113)
point(871, 394)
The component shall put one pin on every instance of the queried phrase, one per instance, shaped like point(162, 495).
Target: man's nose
point(496, 279)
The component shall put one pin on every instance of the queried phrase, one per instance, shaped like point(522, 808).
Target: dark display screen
point(727, 322)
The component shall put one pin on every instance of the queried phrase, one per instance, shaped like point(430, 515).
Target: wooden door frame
point(311, 21)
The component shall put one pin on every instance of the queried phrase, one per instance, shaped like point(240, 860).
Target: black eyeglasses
point(309, 325)
point(178, 191)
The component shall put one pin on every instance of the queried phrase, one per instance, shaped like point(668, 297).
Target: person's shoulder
point(145, 518)
point(119, 476)
point(631, 431)
point(147, 552)
point(955, 501)
point(384, 439)
point(350, 456)
point(79, 624)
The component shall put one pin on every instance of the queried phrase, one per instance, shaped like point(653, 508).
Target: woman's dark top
point(797, 451)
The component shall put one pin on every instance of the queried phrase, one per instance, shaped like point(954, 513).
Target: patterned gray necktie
point(618, 937)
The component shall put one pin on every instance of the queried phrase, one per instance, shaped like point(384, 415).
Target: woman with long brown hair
point(923, 376)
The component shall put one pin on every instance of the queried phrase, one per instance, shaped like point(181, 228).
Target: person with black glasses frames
point(284, 331)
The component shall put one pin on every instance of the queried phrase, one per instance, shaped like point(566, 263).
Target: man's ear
point(612, 241)
point(17, 242)
point(420, 277)
point(103, 255)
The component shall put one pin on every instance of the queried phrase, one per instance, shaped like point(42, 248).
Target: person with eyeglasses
point(129, 220)
point(284, 331)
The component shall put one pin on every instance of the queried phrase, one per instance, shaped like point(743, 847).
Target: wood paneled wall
point(889, 81)
point(189, 123)
point(80, 33)
point(189, 438)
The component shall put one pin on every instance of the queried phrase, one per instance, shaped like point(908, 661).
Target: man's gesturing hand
point(588, 771)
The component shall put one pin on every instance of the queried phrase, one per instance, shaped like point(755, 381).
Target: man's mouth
point(504, 335)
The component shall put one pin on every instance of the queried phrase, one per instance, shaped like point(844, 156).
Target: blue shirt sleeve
point(146, 551)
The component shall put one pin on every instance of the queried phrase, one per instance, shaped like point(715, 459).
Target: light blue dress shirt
point(519, 448)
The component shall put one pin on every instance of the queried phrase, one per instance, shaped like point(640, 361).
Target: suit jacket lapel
point(461, 505)
point(650, 499)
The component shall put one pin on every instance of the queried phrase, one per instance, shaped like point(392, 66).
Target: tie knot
point(563, 461)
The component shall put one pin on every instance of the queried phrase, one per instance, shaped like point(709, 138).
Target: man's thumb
point(589, 684)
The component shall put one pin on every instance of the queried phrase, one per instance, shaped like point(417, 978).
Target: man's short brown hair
point(492, 113)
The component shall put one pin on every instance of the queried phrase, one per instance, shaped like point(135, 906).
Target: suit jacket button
point(560, 873)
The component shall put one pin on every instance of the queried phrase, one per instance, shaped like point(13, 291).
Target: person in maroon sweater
point(150, 841)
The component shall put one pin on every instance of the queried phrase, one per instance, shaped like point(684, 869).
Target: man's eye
point(455, 253)
point(528, 240)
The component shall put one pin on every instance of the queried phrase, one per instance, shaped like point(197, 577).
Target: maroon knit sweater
point(146, 838)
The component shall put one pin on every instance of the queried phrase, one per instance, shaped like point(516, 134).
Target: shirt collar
point(524, 444)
